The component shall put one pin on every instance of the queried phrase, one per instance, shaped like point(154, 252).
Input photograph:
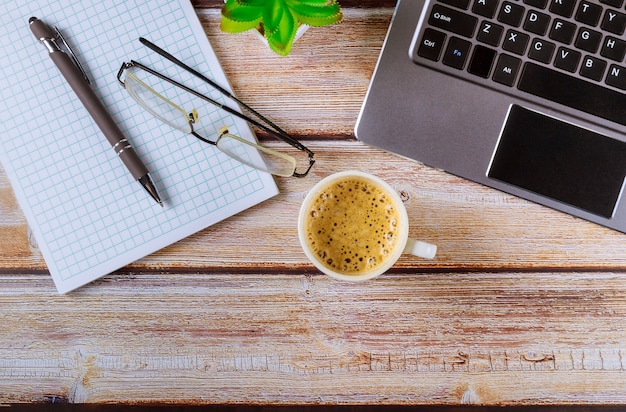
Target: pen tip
point(32, 19)
point(146, 182)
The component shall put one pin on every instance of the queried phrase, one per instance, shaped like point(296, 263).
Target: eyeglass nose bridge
point(193, 116)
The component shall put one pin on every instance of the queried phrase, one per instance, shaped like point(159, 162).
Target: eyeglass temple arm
point(265, 128)
point(294, 142)
point(222, 90)
point(282, 136)
point(195, 93)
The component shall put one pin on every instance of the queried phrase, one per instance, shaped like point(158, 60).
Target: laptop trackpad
point(561, 161)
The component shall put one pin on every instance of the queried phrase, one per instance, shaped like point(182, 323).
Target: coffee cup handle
point(420, 249)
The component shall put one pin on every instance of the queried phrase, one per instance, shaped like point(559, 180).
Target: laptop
point(525, 96)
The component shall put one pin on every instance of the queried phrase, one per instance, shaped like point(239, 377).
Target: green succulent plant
point(278, 20)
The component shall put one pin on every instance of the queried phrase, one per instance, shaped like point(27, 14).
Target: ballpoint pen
point(70, 68)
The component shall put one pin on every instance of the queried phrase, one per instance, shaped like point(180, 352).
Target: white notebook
point(89, 216)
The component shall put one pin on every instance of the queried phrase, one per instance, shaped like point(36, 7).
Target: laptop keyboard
point(569, 52)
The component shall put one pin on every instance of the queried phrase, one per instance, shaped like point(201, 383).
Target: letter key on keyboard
point(569, 52)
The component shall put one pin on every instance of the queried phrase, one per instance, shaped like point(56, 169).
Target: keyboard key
point(506, 70)
point(567, 59)
point(575, 41)
point(452, 20)
point(614, 22)
point(614, 3)
point(613, 48)
point(588, 40)
point(515, 42)
point(490, 33)
point(485, 8)
point(511, 14)
point(593, 68)
point(541, 4)
point(562, 31)
point(563, 8)
point(431, 45)
point(616, 76)
point(579, 94)
point(536, 22)
point(541, 50)
point(462, 4)
point(588, 13)
point(481, 61)
point(456, 53)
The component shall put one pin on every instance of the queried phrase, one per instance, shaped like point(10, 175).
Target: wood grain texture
point(318, 90)
point(513, 338)
point(475, 228)
point(522, 306)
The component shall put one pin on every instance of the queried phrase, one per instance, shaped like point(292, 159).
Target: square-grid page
point(88, 214)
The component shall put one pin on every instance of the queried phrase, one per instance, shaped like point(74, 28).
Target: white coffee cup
point(336, 243)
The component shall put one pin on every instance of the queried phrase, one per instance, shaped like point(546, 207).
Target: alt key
point(506, 69)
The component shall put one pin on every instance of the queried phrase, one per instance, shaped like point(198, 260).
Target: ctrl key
point(431, 44)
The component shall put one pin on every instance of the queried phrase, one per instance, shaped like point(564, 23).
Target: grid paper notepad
point(89, 216)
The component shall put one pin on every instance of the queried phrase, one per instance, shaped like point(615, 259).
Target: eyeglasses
point(172, 114)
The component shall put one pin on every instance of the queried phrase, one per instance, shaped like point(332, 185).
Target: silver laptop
point(528, 97)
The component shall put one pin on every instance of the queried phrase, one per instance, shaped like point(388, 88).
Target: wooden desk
point(523, 305)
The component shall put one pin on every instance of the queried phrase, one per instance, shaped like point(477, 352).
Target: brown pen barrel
point(40, 29)
point(93, 105)
point(98, 112)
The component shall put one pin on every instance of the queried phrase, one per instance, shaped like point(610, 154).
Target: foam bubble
point(352, 226)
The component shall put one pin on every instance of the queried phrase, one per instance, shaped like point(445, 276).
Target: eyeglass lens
point(156, 104)
point(251, 154)
point(256, 156)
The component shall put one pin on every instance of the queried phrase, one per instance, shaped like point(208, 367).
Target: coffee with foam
point(352, 225)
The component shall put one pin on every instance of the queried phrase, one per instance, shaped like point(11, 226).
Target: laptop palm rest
point(559, 160)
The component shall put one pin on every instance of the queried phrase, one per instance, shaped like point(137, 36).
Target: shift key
point(452, 20)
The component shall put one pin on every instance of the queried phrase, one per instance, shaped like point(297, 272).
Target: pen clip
point(71, 53)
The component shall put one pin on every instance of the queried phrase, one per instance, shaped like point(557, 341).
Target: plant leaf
point(316, 15)
point(281, 39)
point(232, 26)
point(273, 14)
point(237, 17)
point(237, 11)
point(279, 19)
point(315, 2)
point(255, 3)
